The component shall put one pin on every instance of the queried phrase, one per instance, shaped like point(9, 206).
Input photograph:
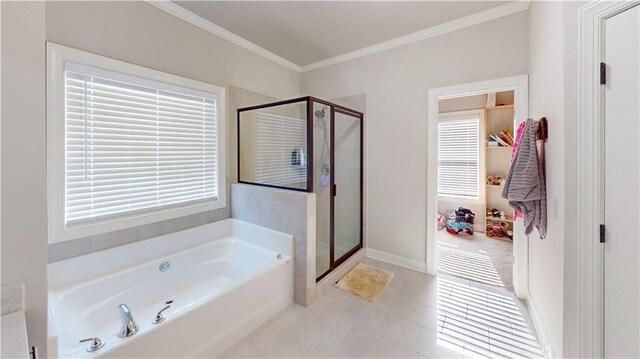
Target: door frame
point(520, 86)
point(590, 179)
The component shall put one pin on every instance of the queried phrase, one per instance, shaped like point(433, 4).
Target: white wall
point(135, 32)
point(139, 33)
point(553, 278)
point(24, 240)
point(571, 321)
point(396, 84)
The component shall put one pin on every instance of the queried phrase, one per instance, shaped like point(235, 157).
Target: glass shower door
point(347, 179)
point(322, 185)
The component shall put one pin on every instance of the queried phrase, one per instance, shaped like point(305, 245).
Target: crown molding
point(206, 25)
point(454, 25)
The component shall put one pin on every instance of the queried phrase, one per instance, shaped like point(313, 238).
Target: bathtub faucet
point(129, 326)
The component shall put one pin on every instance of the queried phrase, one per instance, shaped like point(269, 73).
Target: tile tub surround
point(78, 247)
point(13, 334)
point(11, 298)
point(417, 316)
point(290, 212)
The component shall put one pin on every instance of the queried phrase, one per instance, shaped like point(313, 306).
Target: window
point(129, 145)
point(280, 146)
point(459, 156)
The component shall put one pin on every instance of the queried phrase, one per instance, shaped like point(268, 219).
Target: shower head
point(320, 113)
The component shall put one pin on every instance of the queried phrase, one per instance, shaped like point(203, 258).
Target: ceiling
point(305, 32)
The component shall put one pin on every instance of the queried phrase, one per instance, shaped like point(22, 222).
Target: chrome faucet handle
point(96, 344)
point(159, 317)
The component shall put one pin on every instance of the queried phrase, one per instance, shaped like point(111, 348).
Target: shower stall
point(312, 145)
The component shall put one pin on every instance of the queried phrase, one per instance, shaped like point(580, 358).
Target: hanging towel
point(516, 143)
point(524, 186)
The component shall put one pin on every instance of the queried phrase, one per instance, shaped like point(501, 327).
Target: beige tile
point(263, 332)
point(69, 249)
point(394, 350)
point(408, 275)
point(393, 286)
point(246, 349)
point(458, 320)
point(332, 304)
point(396, 329)
point(513, 345)
point(334, 292)
point(425, 316)
point(361, 314)
point(359, 342)
point(299, 316)
point(472, 334)
point(328, 328)
point(419, 293)
point(319, 349)
point(287, 342)
point(434, 345)
point(391, 304)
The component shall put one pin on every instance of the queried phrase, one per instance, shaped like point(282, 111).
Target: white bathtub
point(225, 279)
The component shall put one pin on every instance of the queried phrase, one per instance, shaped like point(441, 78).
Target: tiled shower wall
point(289, 212)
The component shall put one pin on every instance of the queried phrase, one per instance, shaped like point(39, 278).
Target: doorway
point(475, 224)
point(518, 87)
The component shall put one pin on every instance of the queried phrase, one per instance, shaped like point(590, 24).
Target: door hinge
point(603, 73)
point(335, 190)
point(602, 234)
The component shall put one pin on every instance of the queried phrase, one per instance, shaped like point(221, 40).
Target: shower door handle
point(335, 190)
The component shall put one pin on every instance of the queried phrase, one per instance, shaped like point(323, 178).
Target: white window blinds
point(280, 150)
point(459, 157)
point(135, 146)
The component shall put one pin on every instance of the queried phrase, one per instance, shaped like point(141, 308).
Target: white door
point(622, 185)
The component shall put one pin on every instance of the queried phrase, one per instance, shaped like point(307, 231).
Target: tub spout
point(129, 326)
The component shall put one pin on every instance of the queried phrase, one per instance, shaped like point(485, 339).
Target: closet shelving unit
point(498, 160)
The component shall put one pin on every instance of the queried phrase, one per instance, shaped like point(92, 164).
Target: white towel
point(524, 186)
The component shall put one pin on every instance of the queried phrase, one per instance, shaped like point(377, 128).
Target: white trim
point(543, 338)
point(520, 86)
point(413, 264)
point(57, 58)
point(497, 12)
point(590, 174)
point(206, 25)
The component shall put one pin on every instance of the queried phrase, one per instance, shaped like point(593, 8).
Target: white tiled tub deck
point(417, 316)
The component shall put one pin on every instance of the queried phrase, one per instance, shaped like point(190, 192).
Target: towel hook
point(543, 130)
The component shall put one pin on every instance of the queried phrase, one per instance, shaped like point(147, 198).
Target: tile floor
point(477, 258)
point(417, 316)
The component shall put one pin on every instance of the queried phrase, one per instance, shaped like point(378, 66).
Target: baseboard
point(400, 261)
point(545, 344)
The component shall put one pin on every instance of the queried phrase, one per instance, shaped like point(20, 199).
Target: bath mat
point(365, 281)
